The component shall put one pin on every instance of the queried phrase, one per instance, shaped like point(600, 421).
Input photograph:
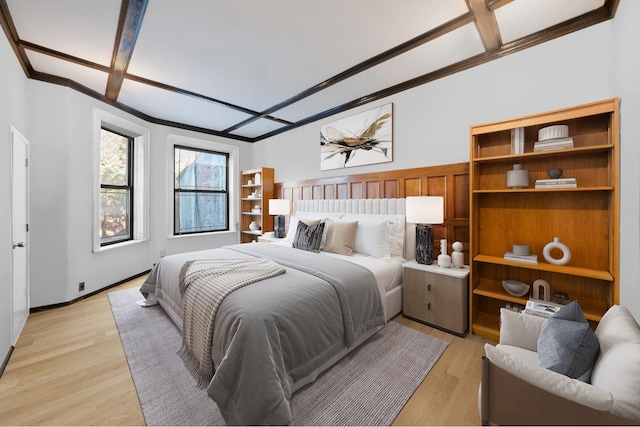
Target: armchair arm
point(520, 330)
point(552, 382)
point(507, 399)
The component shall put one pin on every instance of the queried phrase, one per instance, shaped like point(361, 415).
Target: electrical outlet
point(81, 286)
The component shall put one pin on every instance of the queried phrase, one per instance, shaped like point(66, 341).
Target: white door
point(19, 230)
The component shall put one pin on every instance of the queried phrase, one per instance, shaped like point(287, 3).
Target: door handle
point(18, 245)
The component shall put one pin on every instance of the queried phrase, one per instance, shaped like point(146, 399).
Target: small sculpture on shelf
point(540, 283)
point(566, 252)
point(554, 173)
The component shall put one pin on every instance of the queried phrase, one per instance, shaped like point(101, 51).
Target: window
point(121, 182)
point(116, 187)
point(201, 190)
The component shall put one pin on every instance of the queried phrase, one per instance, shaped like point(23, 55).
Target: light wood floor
point(69, 368)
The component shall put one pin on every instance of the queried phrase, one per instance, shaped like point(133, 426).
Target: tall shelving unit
point(254, 208)
point(584, 218)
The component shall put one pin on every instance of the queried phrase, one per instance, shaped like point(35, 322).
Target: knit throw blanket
point(204, 284)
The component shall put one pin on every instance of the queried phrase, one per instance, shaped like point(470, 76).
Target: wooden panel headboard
point(450, 181)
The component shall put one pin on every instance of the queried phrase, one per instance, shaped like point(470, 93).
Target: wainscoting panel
point(450, 181)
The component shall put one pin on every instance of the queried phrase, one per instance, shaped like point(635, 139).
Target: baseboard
point(6, 361)
point(64, 304)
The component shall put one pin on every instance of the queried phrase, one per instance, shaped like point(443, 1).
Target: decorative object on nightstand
point(253, 226)
point(457, 257)
point(424, 211)
point(566, 252)
point(517, 177)
point(444, 260)
point(279, 208)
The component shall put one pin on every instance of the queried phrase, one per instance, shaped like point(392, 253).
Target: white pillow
point(396, 225)
point(372, 238)
point(618, 372)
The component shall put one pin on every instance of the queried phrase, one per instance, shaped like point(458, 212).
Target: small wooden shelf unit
point(248, 203)
point(584, 218)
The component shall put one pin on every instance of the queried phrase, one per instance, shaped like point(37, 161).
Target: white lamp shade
point(279, 206)
point(425, 209)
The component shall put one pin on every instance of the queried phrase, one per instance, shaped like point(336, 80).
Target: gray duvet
point(276, 335)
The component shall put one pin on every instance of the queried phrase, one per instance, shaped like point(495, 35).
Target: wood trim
point(127, 32)
point(131, 15)
point(450, 181)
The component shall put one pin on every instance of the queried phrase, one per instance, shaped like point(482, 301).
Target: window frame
point(226, 191)
point(129, 187)
point(233, 171)
point(140, 175)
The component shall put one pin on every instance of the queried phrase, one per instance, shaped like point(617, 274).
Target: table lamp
point(424, 211)
point(279, 208)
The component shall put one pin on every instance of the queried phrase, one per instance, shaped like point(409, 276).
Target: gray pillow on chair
point(567, 344)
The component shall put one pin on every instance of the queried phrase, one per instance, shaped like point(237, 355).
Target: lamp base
point(278, 226)
point(424, 244)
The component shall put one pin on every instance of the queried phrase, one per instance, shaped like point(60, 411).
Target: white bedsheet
point(388, 272)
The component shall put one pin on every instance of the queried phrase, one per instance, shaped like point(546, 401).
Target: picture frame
point(361, 139)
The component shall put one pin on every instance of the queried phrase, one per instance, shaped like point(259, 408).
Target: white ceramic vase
point(457, 257)
point(444, 260)
point(517, 177)
point(253, 226)
point(566, 252)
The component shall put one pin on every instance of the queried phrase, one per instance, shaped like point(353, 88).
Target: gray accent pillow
point(567, 344)
point(307, 237)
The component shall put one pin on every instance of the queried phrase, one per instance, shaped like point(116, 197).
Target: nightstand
point(269, 238)
point(437, 296)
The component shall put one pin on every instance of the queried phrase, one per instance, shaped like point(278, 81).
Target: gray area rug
point(368, 387)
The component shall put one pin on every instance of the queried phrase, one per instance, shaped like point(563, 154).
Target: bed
point(278, 334)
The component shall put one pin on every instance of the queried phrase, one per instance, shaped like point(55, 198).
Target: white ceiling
point(210, 65)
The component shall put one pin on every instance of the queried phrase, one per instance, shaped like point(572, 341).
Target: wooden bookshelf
point(585, 218)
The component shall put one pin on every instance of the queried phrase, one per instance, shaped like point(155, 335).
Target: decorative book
point(541, 308)
point(528, 259)
point(556, 183)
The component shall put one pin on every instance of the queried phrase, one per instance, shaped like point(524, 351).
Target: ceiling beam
point(6, 22)
point(131, 14)
point(417, 41)
point(65, 57)
point(486, 24)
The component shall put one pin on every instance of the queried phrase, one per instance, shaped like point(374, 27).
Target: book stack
point(556, 183)
point(541, 308)
point(527, 259)
point(553, 144)
point(517, 140)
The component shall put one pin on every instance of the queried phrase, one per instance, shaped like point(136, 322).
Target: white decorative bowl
point(552, 132)
point(515, 287)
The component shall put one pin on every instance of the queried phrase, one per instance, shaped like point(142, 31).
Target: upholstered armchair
point(516, 390)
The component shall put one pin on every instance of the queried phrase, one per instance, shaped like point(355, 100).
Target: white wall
point(431, 126)
point(625, 72)
point(431, 122)
point(13, 111)
point(62, 156)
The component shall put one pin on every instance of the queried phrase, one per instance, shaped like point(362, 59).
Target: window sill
point(119, 245)
point(206, 234)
